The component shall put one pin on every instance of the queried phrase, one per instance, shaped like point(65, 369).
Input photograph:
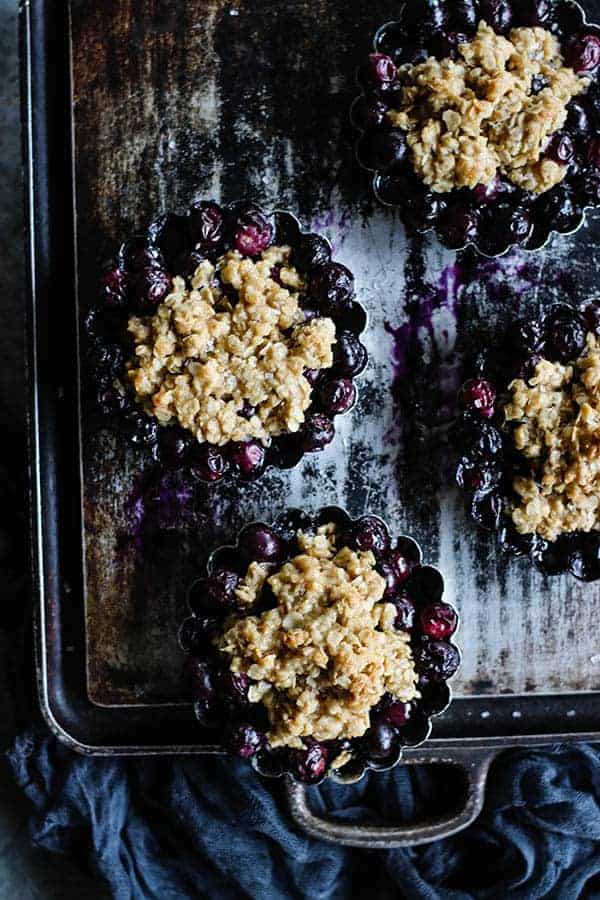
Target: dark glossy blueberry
point(561, 148)
point(477, 475)
point(422, 209)
point(141, 429)
point(259, 543)
point(590, 313)
point(174, 446)
point(336, 396)
point(593, 153)
point(533, 13)
point(332, 285)
point(583, 53)
point(187, 263)
point(200, 634)
point(248, 458)
point(438, 620)
point(149, 288)
point(382, 150)
point(105, 361)
point(244, 741)
point(381, 743)
point(351, 317)
point(170, 234)
point(478, 437)
point(208, 463)
point(214, 596)
point(311, 251)
point(393, 584)
point(233, 687)
point(487, 193)
point(206, 226)
point(425, 585)
point(579, 118)
point(286, 451)
point(318, 431)
point(424, 17)
point(369, 112)
point(349, 355)
point(478, 396)
point(589, 187)
point(405, 556)
point(538, 84)
point(513, 222)
point(382, 68)
point(566, 19)
point(251, 230)
point(584, 562)
point(289, 523)
point(390, 39)
point(309, 765)
point(525, 337)
point(191, 637)
point(565, 335)
point(555, 558)
point(435, 698)
point(335, 515)
point(435, 660)
point(247, 410)
point(464, 15)
point(405, 613)
point(369, 533)
point(112, 402)
point(287, 229)
point(515, 543)
point(198, 680)
point(137, 254)
point(309, 309)
point(486, 510)
point(458, 225)
point(447, 44)
point(498, 14)
point(113, 289)
point(397, 713)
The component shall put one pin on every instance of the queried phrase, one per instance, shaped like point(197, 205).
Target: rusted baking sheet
point(174, 101)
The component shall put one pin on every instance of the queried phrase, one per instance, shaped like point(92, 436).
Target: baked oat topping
point(205, 357)
point(469, 119)
point(328, 652)
point(558, 411)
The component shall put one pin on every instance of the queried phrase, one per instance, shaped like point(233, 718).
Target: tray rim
point(59, 707)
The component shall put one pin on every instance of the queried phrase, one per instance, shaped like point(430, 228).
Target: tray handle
point(475, 764)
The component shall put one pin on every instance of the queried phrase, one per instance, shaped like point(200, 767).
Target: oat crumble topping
point(467, 120)
point(328, 652)
point(559, 414)
point(202, 356)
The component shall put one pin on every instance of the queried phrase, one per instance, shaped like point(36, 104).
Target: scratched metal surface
point(215, 99)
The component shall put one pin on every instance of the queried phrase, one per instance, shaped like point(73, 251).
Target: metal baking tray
point(134, 107)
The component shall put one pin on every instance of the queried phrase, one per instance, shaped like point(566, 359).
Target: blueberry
point(349, 355)
point(247, 411)
point(423, 17)
point(333, 515)
point(208, 463)
point(287, 229)
point(289, 523)
point(486, 510)
point(561, 148)
point(336, 396)
point(478, 396)
point(351, 317)
point(199, 683)
point(583, 53)
point(382, 150)
point(579, 118)
point(141, 429)
point(311, 251)
point(593, 154)
point(149, 289)
point(244, 740)
point(397, 713)
point(590, 313)
point(458, 225)
point(369, 113)
point(174, 446)
point(438, 620)
point(309, 765)
point(525, 337)
point(435, 660)
point(425, 585)
point(423, 209)
point(498, 14)
point(137, 254)
point(112, 402)
point(464, 15)
point(248, 458)
point(187, 263)
point(259, 543)
point(566, 19)
point(113, 289)
point(555, 558)
point(381, 744)
point(477, 437)
point(369, 533)
point(233, 687)
point(332, 285)
point(405, 613)
point(534, 13)
point(200, 634)
point(206, 226)
point(566, 337)
point(214, 596)
point(515, 222)
point(382, 68)
point(487, 193)
point(584, 562)
point(477, 476)
point(405, 556)
point(392, 581)
point(318, 431)
point(286, 451)
point(105, 361)
point(252, 231)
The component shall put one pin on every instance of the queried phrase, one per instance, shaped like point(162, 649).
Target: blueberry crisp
point(228, 340)
point(317, 644)
point(530, 441)
point(481, 119)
